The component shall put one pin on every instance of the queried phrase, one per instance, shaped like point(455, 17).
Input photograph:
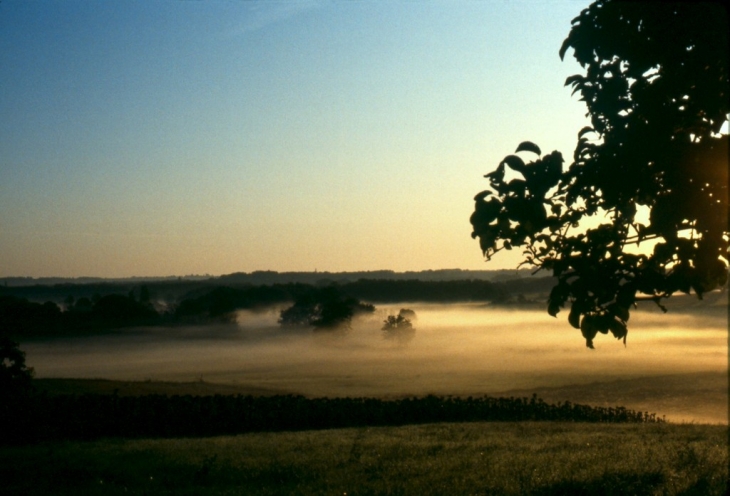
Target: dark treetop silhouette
point(324, 308)
point(15, 376)
point(656, 88)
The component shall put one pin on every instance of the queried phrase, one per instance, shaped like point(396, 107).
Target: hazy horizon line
point(265, 271)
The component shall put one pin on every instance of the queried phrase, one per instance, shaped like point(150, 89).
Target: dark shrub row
point(42, 417)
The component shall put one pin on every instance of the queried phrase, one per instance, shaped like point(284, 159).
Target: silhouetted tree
point(144, 296)
point(407, 313)
point(83, 304)
point(20, 317)
point(396, 322)
point(323, 308)
point(300, 313)
point(399, 327)
point(117, 309)
point(656, 87)
point(69, 302)
point(15, 377)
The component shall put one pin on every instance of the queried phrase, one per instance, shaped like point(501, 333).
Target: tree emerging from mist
point(657, 92)
point(399, 327)
point(323, 308)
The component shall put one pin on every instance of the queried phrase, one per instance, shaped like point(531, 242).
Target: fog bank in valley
point(456, 350)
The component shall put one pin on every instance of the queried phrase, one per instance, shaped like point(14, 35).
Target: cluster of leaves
point(657, 91)
point(323, 308)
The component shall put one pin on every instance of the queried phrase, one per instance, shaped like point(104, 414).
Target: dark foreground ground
point(519, 458)
point(700, 397)
point(538, 458)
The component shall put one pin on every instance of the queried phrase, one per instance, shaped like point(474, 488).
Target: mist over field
point(674, 364)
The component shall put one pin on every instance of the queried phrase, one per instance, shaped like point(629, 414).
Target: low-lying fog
point(456, 350)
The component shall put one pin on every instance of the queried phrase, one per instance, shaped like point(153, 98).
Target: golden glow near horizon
point(178, 138)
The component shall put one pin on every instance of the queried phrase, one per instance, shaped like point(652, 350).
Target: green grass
point(468, 458)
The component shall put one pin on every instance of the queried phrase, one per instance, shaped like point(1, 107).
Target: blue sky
point(171, 138)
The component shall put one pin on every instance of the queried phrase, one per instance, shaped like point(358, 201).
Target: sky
point(185, 137)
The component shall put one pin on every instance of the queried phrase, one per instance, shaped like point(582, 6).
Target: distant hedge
point(42, 417)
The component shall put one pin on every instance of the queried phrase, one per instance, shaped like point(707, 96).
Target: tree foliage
point(15, 376)
point(323, 308)
point(657, 92)
point(393, 322)
point(399, 327)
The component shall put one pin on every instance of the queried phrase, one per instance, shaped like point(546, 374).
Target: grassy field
point(469, 458)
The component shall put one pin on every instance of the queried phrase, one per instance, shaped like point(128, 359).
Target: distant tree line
point(166, 290)
point(318, 306)
point(176, 290)
point(326, 278)
point(43, 417)
point(20, 318)
point(220, 302)
point(388, 291)
point(259, 277)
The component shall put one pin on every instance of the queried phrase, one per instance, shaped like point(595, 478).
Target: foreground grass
point(466, 458)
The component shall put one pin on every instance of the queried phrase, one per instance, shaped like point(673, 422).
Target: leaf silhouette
point(528, 146)
point(564, 47)
point(584, 131)
point(514, 162)
point(575, 78)
point(574, 316)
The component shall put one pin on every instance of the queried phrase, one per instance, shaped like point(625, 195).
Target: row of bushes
point(42, 417)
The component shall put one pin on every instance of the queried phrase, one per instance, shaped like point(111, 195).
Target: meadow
point(507, 458)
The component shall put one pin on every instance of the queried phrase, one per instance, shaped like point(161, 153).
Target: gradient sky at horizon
point(167, 138)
